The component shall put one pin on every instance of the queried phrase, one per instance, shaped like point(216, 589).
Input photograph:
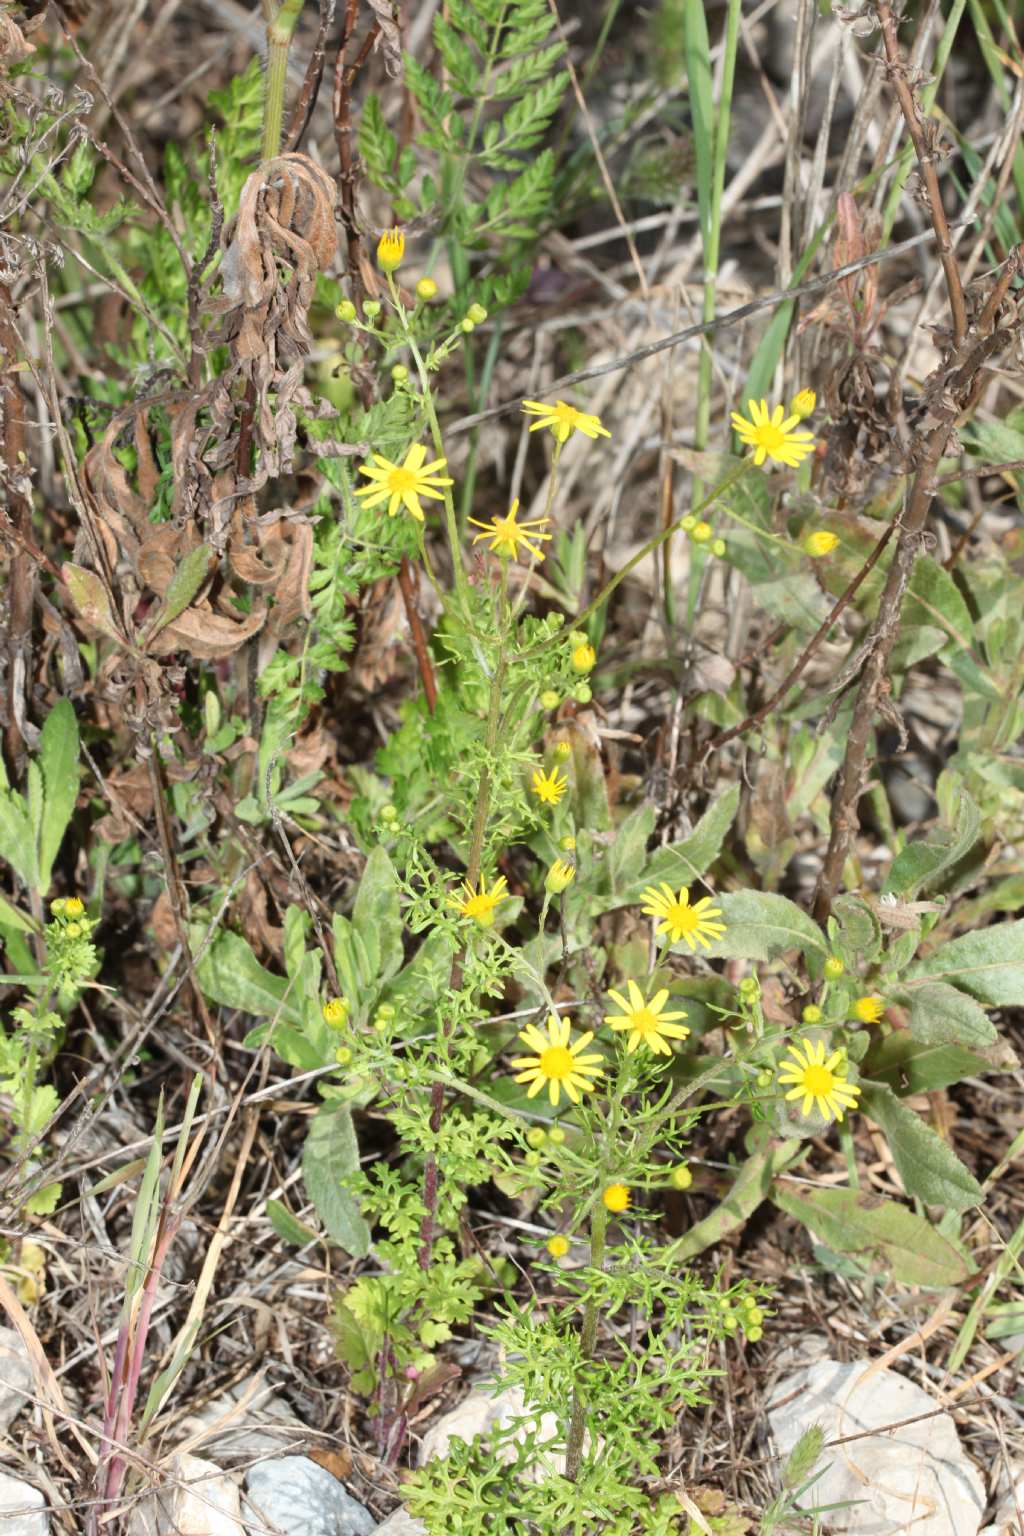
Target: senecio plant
point(481, 1010)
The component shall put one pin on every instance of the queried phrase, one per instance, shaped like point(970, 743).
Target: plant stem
point(588, 1339)
point(279, 41)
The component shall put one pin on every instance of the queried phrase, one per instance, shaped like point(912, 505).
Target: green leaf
point(329, 1157)
point(683, 862)
point(934, 597)
point(922, 862)
point(89, 596)
point(928, 1166)
point(858, 939)
point(17, 837)
point(44, 1202)
point(58, 762)
point(182, 588)
point(377, 915)
point(886, 1236)
point(626, 854)
point(230, 974)
point(988, 963)
point(914, 1066)
point(760, 926)
point(942, 1015)
point(288, 1227)
point(702, 109)
point(419, 983)
point(11, 917)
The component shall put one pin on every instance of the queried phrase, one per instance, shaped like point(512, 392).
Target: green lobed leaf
point(943, 1015)
point(58, 762)
point(761, 925)
point(988, 963)
point(329, 1157)
point(928, 1166)
point(888, 1237)
point(230, 974)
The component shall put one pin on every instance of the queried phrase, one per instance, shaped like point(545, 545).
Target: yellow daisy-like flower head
point(557, 1061)
point(564, 420)
point(557, 1246)
point(820, 543)
point(335, 1012)
point(390, 250)
point(402, 485)
point(818, 1081)
point(560, 875)
point(868, 1009)
point(616, 1197)
point(549, 787)
point(506, 535)
point(74, 906)
point(646, 1022)
point(695, 922)
point(480, 905)
point(773, 435)
point(803, 403)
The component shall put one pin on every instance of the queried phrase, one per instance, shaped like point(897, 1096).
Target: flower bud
point(346, 311)
point(719, 548)
point(681, 1177)
point(583, 693)
point(399, 373)
point(390, 250)
point(616, 1197)
point(549, 699)
point(557, 1246)
point(557, 1135)
point(560, 875)
point(536, 1136)
point(688, 523)
point(819, 543)
point(563, 749)
point(532, 1159)
point(335, 1012)
point(833, 968)
point(371, 309)
point(467, 326)
point(803, 404)
point(476, 313)
point(567, 844)
point(343, 1055)
point(426, 288)
point(811, 1014)
point(584, 658)
point(701, 533)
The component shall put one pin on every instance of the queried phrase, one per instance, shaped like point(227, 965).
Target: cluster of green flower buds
point(70, 955)
point(700, 532)
point(746, 1316)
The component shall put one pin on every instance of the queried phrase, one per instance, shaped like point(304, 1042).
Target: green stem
point(279, 41)
point(483, 794)
point(588, 1339)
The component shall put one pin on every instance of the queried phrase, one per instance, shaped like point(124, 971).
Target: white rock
point(23, 1509)
point(294, 1496)
point(246, 1421)
point(482, 1411)
point(16, 1378)
point(198, 1500)
point(401, 1523)
point(915, 1478)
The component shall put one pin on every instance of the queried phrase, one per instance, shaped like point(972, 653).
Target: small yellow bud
point(388, 813)
point(681, 1176)
point(532, 1159)
point(467, 326)
point(754, 1335)
point(346, 311)
point(868, 1010)
point(833, 968)
point(701, 533)
point(426, 288)
point(536, 1136)
point(557, 1246)
point(811, 1014)
point(57, 906)
point(74, 906)
point(549, 699)
point(476, 313)
point(820, 543)
point(803, 404)
point(371, 309)
point(563, 749)
point(343, 1055)
point(399, 373)
point(567, 844)
point(560, 875)
point(584, 658)
point(335, 1012)
point(557, 1135)
point(718, 549)
point(73, 930)
point(688, 523)
point(390, 250)
point(616, 1197)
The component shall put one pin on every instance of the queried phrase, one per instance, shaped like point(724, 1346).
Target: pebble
point(211, 1506)
point(32, 1517)
point(299, 1498)
point(912, 1479)
point(401, 1523)
point(16, 1379)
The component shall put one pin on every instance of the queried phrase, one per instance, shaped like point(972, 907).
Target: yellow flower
point(402, 485)
point(506, 534)
point(556, 1062)
point(426, 289)
point(549, 787)
point(74, 906)
point(564, 420)
point(480, 905)
point(868, 1009)
point(803, 404)
point(682, 920)
point(817, 1081)
point(557, 1246)
point(390, 250)
point(681, 1177)
point(335, 1012)
point(645, 1020)
point(773, 436)
point(616, 1197)
point(584, 658)
point(820, 543)
point(560, 875)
